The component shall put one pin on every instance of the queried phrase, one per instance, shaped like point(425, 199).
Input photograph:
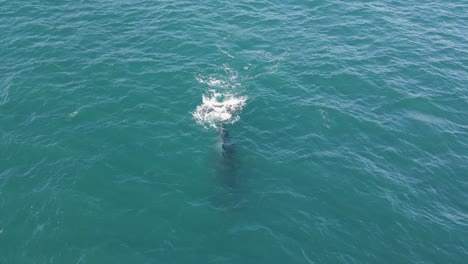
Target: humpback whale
point(227, 146)
point(229, 162)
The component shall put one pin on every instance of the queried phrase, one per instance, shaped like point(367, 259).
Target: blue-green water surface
point(348, 122)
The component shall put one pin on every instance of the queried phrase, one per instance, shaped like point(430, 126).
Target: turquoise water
point(348, 124)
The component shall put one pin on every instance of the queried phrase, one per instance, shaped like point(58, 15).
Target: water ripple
point(352, 144)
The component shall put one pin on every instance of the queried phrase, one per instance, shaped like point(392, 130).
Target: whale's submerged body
point(229, 164)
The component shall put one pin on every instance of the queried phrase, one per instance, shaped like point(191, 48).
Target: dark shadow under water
point(229, 164)
point(227, 172)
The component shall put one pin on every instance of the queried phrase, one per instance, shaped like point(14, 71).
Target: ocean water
point(347, 123)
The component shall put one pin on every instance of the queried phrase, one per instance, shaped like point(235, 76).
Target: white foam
point(219, 107)
point(72, 115)
point(223, 99)
point(227, 80)
point(211, 81)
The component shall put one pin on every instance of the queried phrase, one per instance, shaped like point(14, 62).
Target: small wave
point(72, 115)
point(4, 90)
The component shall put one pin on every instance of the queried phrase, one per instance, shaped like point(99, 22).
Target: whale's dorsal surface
point(224, 133)
point(228, 147)
point(229, 159)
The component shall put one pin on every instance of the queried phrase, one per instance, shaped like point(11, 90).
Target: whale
point(229, 159)
point(227, 146)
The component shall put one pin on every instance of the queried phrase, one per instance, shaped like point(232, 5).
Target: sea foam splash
point(218, 107)
point(222, 103)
